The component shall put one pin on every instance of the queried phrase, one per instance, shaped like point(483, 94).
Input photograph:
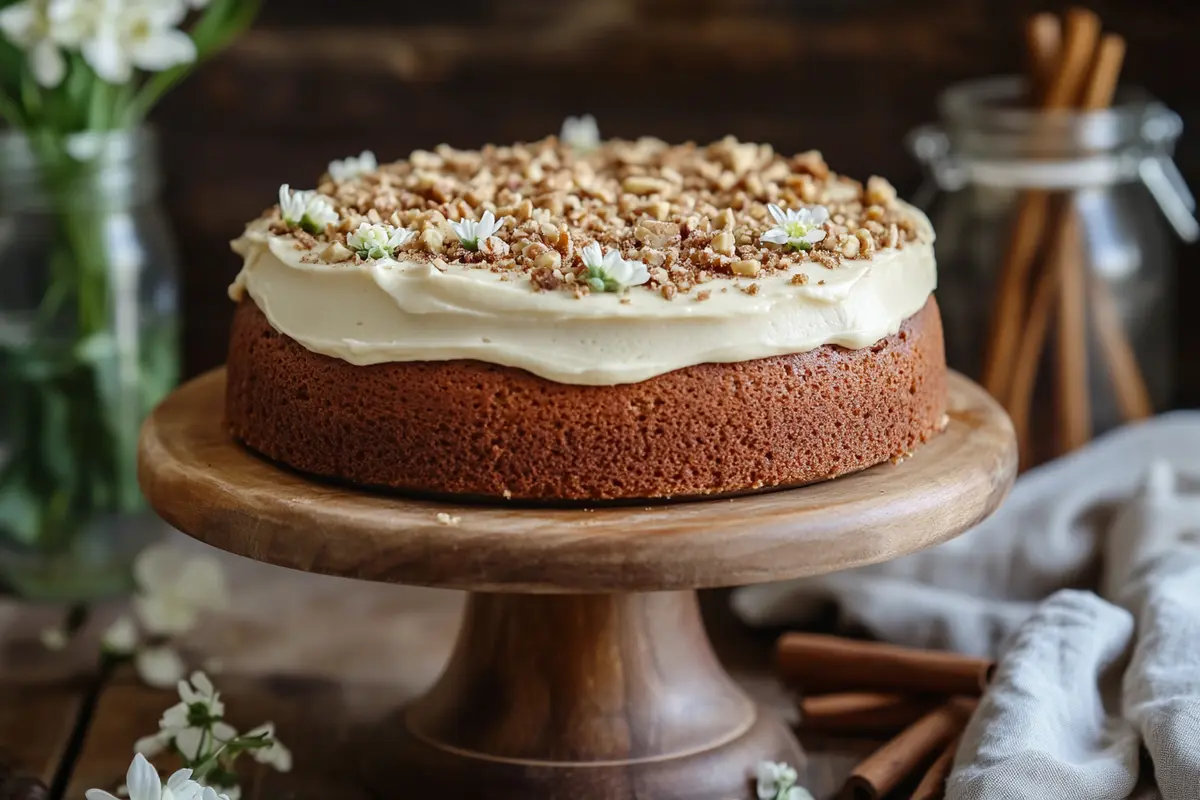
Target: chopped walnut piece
point(800, 278)
point(545, 279)
point(336, 253)
point(668, 291)
point(704, 295)
point(746, 267)
point(698, 212)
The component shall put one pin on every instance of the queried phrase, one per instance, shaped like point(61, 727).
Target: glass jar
point(88, 345)
point(1112, 170)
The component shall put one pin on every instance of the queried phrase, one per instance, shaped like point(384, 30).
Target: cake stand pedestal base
point(588, 697)
point(582, 671)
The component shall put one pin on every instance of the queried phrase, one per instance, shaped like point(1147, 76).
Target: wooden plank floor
point(324, 659)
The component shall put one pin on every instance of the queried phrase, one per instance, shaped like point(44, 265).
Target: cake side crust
point(472, 428)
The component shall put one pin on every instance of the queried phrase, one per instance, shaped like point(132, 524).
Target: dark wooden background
point(318, 79)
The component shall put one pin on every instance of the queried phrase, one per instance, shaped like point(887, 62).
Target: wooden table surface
point(321, 657)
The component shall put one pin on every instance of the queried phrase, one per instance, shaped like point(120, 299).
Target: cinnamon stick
point(1133, 397)
point(887, 767)
point(821, 664)
point(1081, 32)
point(1043, 40)
point(933, 785)
point(861, 713)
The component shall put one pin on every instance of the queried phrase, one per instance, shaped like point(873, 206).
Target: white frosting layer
point(383, 311)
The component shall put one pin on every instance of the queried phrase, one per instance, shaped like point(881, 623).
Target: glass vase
point(88, 345)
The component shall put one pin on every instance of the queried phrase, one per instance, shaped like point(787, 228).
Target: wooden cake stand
point(582, 670)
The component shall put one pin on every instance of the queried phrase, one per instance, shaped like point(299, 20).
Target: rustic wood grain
point(208, 486)
point(36, 724)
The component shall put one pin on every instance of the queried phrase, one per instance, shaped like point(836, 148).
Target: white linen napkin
point(1083, 682)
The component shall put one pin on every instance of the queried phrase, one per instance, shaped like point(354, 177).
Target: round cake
point(575, 320)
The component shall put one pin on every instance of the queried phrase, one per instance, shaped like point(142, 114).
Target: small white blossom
point(308, 210)
point(121, 638)
point(140, 34)
point(609, 272)
point(210, 793)
point(799, 229)
point(175, 588)
point(275, 755)
point(159, 667)
point(775, 780)
point(470, 232)
point(150, 746)
point(350, 168)
point(143, 783)
point(198, 712)
point(377, 241)
point(580, 133)
point(54, 639)
point(29, 26)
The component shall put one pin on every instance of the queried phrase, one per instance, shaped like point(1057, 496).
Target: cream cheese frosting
point(389, 310)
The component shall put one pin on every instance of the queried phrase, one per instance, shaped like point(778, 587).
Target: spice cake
point(582, 321)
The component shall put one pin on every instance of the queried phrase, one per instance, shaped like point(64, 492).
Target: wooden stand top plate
point(207, 485)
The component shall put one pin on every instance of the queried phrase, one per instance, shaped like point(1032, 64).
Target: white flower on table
point(143, 783)
point(471, 233)
point(377, 241)
point(777, 781)
point(799, 229)
point(140, 34)
point(307, 210)
point(121, 638)
point(275, 754)
point(194, 723)
point(609, 272)
point(580, 133)
point(174, 588)
point(353, 167)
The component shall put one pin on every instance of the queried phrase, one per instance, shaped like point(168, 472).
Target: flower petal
point(820, 215)
point(98, 794)
point(159, 667)
point(164, 615)
point(203, 685)
point(142, 780)
point(47, 63)
point(777, 214)
point(815, 235)
point(591, 255)
point(18, 20)
point(107, 57)
point(188, 741)
point(775, 236)
point(121, 638)
point(150, 746)
point(162, 49)
point(179, 779)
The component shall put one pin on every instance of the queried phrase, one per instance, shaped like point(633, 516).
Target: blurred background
point(319, 79)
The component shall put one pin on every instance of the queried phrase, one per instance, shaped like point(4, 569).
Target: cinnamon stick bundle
point(887, 767)
point(819, 664)
point(1071, 67)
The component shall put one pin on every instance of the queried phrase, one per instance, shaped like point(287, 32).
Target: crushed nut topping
point(688, 213)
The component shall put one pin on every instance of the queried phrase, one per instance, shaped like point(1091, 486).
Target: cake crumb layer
point(471, 428)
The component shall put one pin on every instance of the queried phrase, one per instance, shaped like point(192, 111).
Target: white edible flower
point(198, 711)
point(159, 667)
point(470, 232)
point(175, 588)
point(143, 783)
point(799, 229)
point(29, 26)
point(121, 638)
point(350, 168)
point(775, 779)
point(580, 133)
point(609, 272)
point(377, 241)
point(308, 210)
point(137, 33)
point(275, 754)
